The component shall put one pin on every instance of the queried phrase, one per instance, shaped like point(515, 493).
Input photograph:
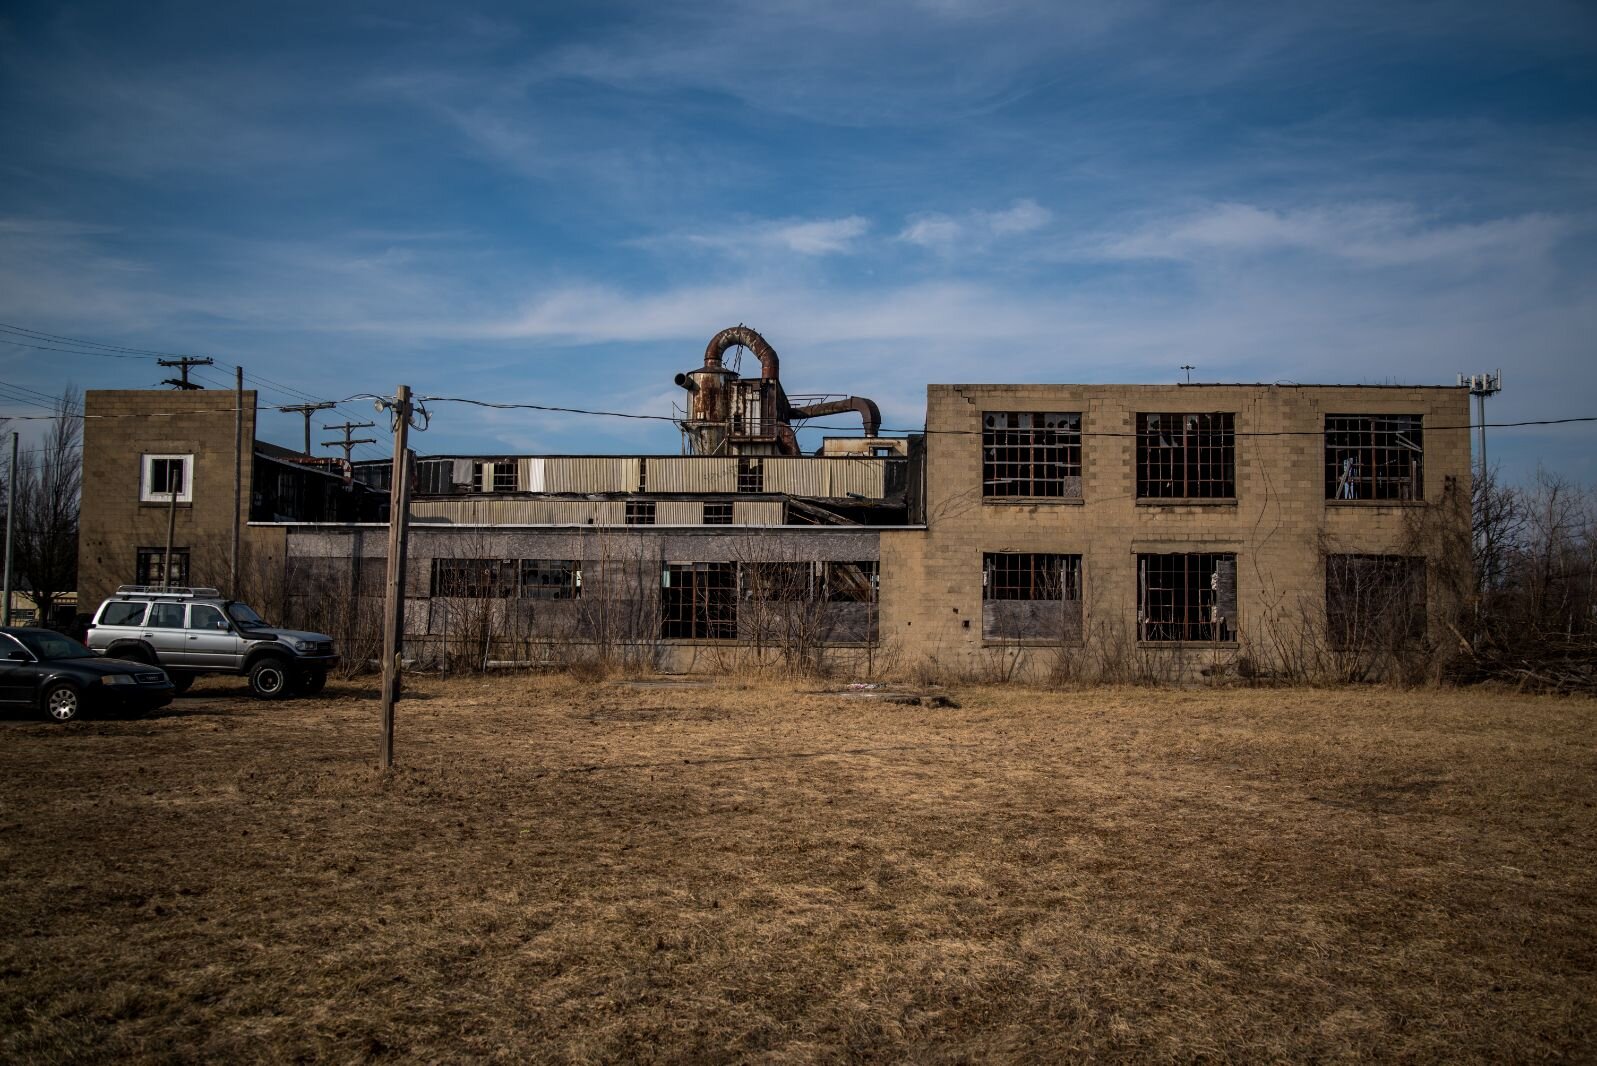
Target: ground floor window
point(698, 601)
point(1187, 596)
point(1374, 601)
point(151, 567)
point(477, 579)
point(1031, 596)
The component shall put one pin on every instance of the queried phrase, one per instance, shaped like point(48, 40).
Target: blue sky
point(561, 204)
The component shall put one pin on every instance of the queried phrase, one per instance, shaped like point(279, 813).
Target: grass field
point(603, 872)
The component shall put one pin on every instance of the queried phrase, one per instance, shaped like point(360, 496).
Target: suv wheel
point(63, 702)
point(180, 682)
point(269, 679)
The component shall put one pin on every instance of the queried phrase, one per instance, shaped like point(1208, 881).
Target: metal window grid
point(640, 513)
point(1374, 599)
point(1030, 576)
point(150, 568)
point(1187, 596)
point(751, 475)
point(718, 513)
point(1186, 456)
point(1031, 454)
point(505, 476)
point(1374, 457)
point(475, 579)
point(698, 601)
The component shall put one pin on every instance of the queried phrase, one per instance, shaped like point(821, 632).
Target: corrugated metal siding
point(693, 474)
point(602, 474)
point(758, 513)
point(479, 511)
point(864, 476)
point(679, 513)
point(797, 477)
point(610, 513)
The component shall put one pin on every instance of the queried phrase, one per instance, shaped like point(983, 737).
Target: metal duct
point(869, 413)
point(736, 335)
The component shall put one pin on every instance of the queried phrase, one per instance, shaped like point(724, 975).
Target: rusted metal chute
point(731, 415)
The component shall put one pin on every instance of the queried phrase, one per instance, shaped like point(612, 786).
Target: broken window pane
point(1374, 457)
point(474, 578)
point(640, 513)
point(1187, 596)
point(550, 579)
point(1186, 456)
point(698, 601)
point(718, 513)
point(1031, 596)
point(1031, 454)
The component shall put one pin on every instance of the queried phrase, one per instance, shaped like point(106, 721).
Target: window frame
point(1186, 618)
point(144, 559)
point(1191, 462)
point(147, 490)
point(1015, 449)
point(699, 601)
point(1003, 624)
point(1362, 443)
point(724, 513)
point(1373, 620)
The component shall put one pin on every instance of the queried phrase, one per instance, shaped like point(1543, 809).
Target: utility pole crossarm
point(183, 365)
point(306, 409)
point(349, 443)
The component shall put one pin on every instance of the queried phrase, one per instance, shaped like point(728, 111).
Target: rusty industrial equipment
point(732, 415)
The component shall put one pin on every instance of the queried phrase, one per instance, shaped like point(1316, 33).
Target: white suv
point(193, 631)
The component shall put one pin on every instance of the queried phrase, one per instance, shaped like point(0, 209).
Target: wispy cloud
point(974, 230)
point(806, 237)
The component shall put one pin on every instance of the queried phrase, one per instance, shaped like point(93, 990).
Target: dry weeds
point(601, 872)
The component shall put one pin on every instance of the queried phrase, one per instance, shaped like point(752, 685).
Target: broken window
point(751, 475)
point(640, 513)
point(698, 601)
point(1374, 457)
point(476, 579)
point(1031, 596)
point(718, 513)
point(550, 579)
point(505, 477)
point(1031, 454)
point(850, 582)
point(1187, 596)
point(778, 582)
point(1374, 601)
point(1186, 456)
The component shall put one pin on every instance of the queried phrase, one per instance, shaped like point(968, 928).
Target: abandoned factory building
point(1026, 521)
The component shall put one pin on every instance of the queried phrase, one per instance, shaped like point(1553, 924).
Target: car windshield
point(245, 615)
point(47, 645)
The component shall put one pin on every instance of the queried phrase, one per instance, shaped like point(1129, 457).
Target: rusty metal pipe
point(869, 413)
point(685, 382)
point(736, 335)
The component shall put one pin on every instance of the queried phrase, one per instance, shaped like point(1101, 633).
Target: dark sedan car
point(62, 678)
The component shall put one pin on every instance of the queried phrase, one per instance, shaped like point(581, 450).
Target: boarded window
point(1186, 456)
point(1374, 602)
point(1031, 454)
point(1187, 596)
point(1374, 457)
point(1031, 596)
point(640, 513)
point(698, 601)
point(718, 513)
point(850, 582)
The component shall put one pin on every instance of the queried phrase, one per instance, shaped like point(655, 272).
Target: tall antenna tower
point(1480, 387)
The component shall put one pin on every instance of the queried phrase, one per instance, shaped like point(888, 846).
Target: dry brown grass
point(601, 872)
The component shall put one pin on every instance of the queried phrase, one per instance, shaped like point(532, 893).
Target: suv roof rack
point(158, 590)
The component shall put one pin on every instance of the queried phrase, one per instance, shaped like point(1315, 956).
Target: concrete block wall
point(122, 426)
point(1278, 525)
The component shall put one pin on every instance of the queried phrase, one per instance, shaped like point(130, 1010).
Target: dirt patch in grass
point(604, 872)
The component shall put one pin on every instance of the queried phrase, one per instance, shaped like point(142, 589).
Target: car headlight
point(300, 645)
point(118, 679)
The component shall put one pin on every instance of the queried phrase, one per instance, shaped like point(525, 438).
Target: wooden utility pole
point(171, 526)
point(394, 605)
point(238, 477)
point(11, 524)
point(348, 443)
point(183, 365)
point(307, 409)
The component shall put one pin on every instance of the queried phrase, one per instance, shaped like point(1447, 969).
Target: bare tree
point(48, 494)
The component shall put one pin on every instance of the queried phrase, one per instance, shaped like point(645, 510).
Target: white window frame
point(147, 478)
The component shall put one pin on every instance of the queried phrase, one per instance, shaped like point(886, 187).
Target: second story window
point(1374, 457)
point(1031, 454)
point(640, 513)
point(165, 477)
point(718, 513)
point(1186, 456)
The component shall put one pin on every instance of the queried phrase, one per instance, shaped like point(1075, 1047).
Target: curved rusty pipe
point(869, 413)
point(735, 335)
